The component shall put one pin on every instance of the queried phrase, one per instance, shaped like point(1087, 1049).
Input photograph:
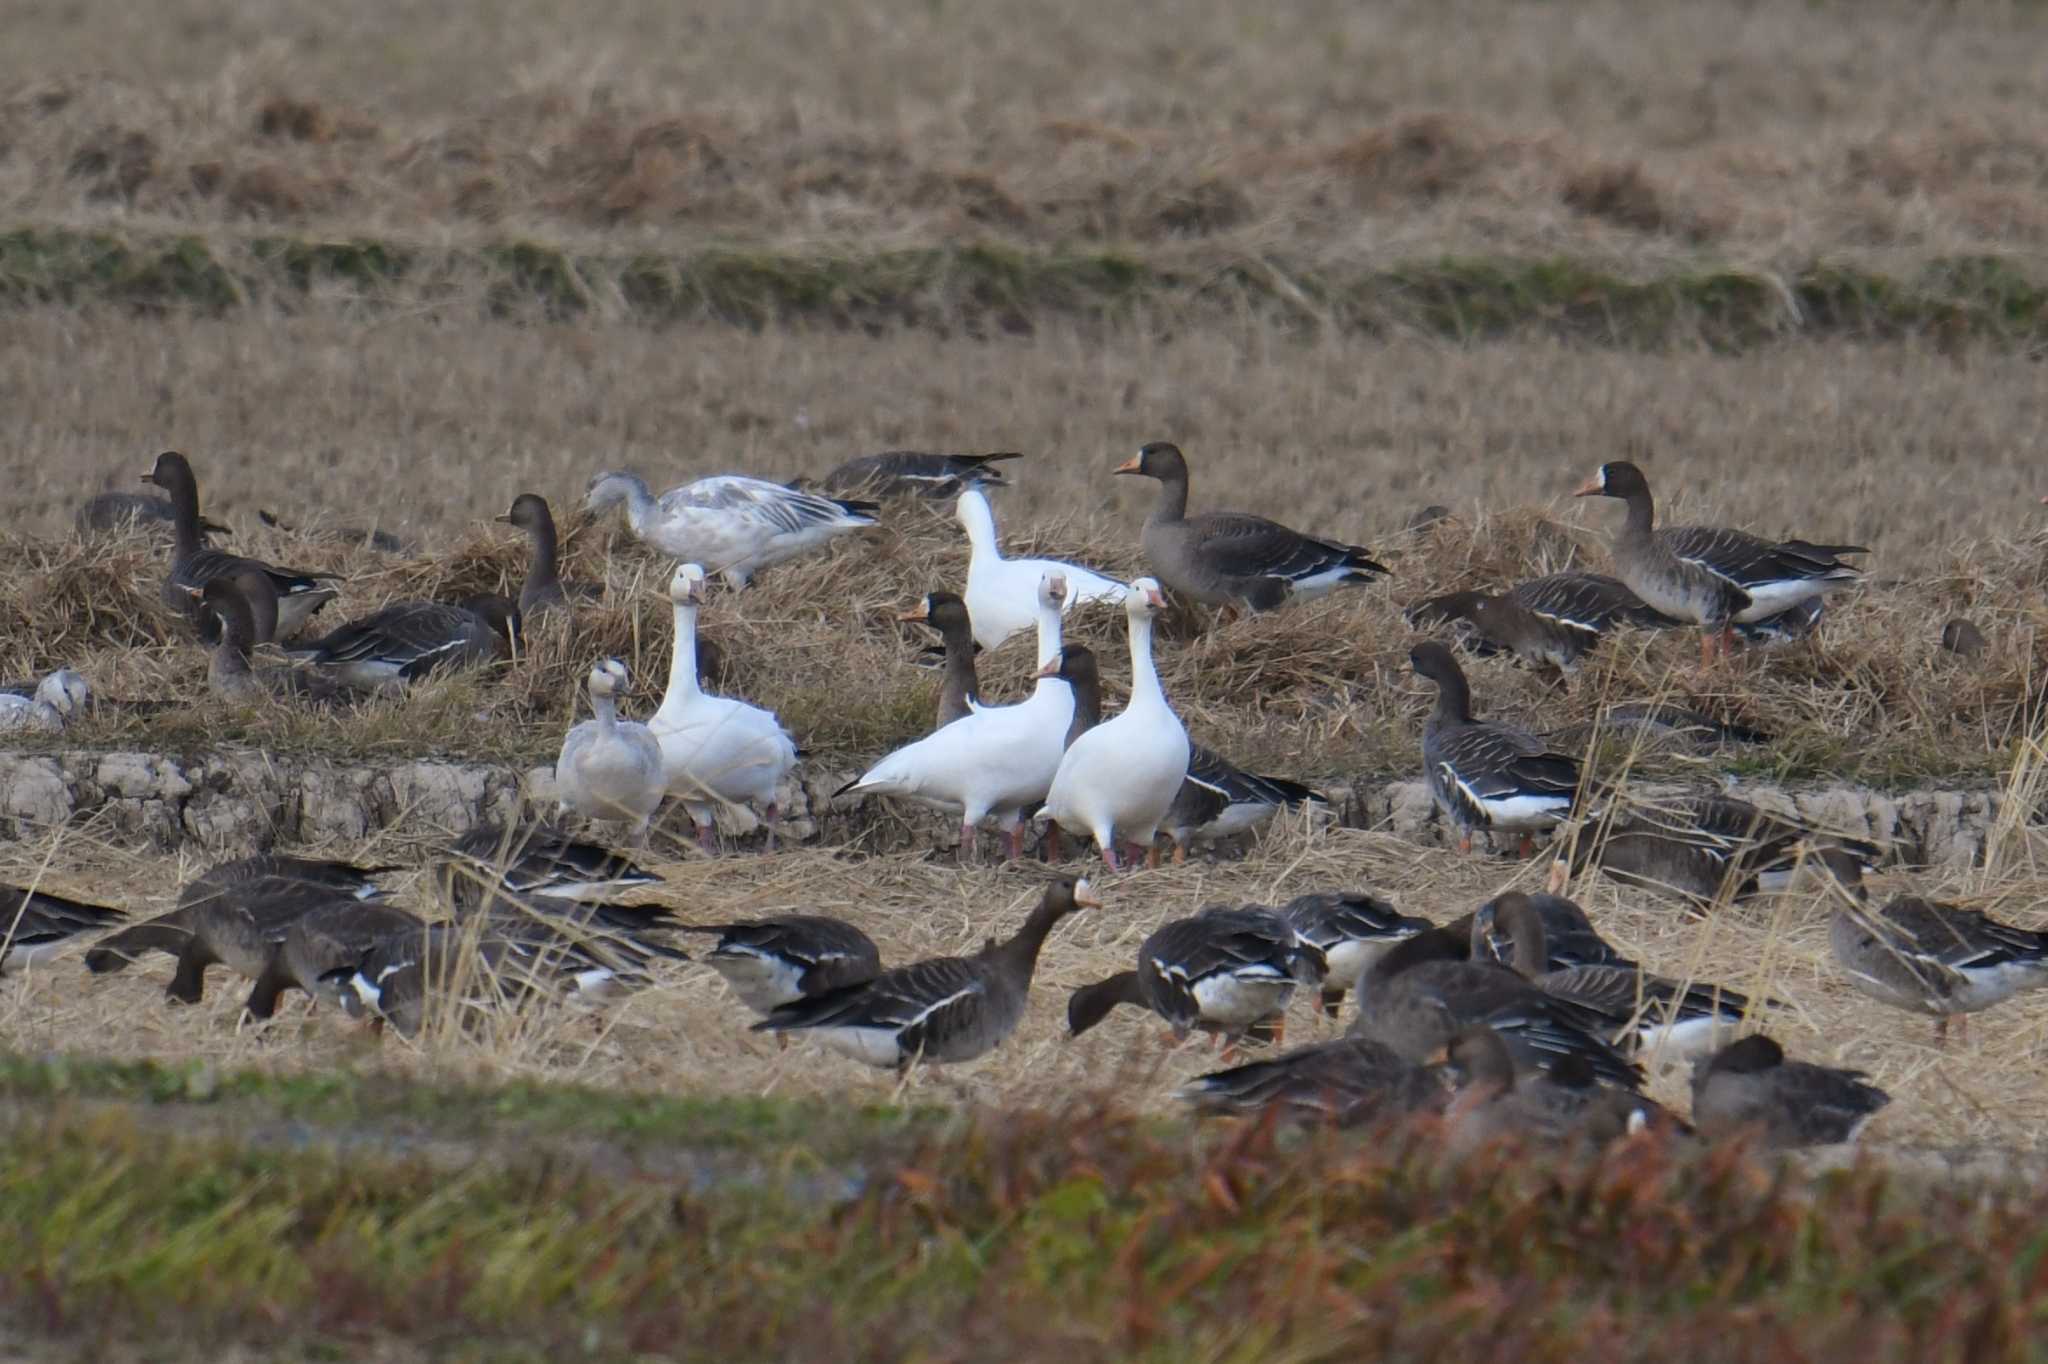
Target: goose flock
point(1516, 1016)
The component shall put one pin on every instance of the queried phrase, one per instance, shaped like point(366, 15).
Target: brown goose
point(1224, 971)
point(114, 511)
point(543, 591)
point(960, 690)
point(1658, 722)
point(1350, 1082)
point(914, 473)
point(1218, 799)
point(245, 603)
point(1498, 1101)
point(322, 950)
point(532, 860)
point(1749, 1087)
point(1487, 776)
point(34, 924)
point(236, 924)
point(1353, 930)
point(1711, 576)
point(1556, 619)
point(1941, 960)
point(1232, 558)
point(363, 537)
point(1569, 938)
point(944, 1009)
point(193, 565)
point(406, 641)
point(1704, 849)
point(780, 960)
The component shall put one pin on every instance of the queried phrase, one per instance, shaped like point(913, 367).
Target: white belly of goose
point(1683, 1038)
point(761, 982)
point(869, 1046)
point(1521, 811)
point(1320, 584)
point(1238, 998)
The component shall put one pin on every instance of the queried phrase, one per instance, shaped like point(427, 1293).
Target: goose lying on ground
point(1002, 594)
point(1705, 848)
point(912, 473)
point(1749, 1087)
point(114, 511)
point(945, 1009)
point(789, 957)
point(58, 699)
point(1554, 619)
point(1232, 558)
point(244, 601)
point(998, 761)
point(363, 537)
point(406, 641)
point(543, 590)
point(1497, 1100)
point(1224, 971)
point(610, 768)
point(1486, 776)
point(1119, 779)
point(715, 750)
point(1709, 575)
point(1351, 1082)
point(193, 565)
point(1352, 930)
point(1654, 723)
point(34, 924)
point(735, 526)
point(959, 689)
point(1218, 799)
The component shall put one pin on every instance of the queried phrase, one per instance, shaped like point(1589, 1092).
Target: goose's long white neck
point(1049, 644)
point(1145, 689)
point(979, 520)
point(682, 663)
point(639, 502)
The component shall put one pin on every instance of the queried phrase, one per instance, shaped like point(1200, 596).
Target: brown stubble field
point(1755, 137)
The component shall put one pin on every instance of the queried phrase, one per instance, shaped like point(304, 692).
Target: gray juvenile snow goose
point(733, 525)
point(1749, 1087)
point(914, 473)
point(1353, 930)
point(405, 641)
point(52, 703)
point(779, 960)
point(1224, 971)
point(1709, 575)
point(959, 689)
point(1487, 776)
point(944, 1009)
point(1233, 558)
point(193, 565)
point(35, 923)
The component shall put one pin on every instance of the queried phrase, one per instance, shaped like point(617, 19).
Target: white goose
point(714, 749)
point(998, 760)
point(58, 699)
point(737, 525)
point(610, 768)
point(1002, 594)
point(1120, 778)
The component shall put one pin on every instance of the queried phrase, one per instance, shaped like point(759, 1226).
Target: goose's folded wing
point(1238, 545)
point(773, 506)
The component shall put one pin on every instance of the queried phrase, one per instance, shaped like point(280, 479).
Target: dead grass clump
point(115, 163)
point(1421, 157)
point(1625, 196)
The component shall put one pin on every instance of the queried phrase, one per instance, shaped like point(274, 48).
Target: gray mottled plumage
point(1749, 1086)
point(1218, 799)
point(318, 944)
point(35, 923)
point(1352, 930)
point(914, 473)
point(1350, 1082)
point(533, 860)
point(363, 537)
point(1700, 848)
point(1556, 619)
point(1487, 776)
point(406, 641)
point(194, 565)
point(1498, 1099)
point(776, 961)
point(238, 926)
point(1222, 970)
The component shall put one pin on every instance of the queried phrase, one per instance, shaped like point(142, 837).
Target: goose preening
point(1704, 849)
point(1218, 799)
point(1233, 558)
point(534, 860)
point(1749, 1087)
point(117, 511)
point(1002, 594)
point(1000, 760)
point(321, 951)
point(405, 641)
point(34, 924)
point(944, 1009)
point(1556, 619)
point(1120, 778)
point(1497, 1100)
point(734, 525)
point(1350, 1082)
point(1713, 577)
point(610, 768)
point(1487, 776)
point(788, 957)
point(193, 565)
point(542, 590)
point(1940, 960)
point(244, 602)
point(715, 750)
point(361, 537)
point(914, 473)
point(61, 697)
point(1224, 971)
point(959, 688)
point(1352, 930)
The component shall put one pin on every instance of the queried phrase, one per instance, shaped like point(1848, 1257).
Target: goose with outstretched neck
point(194, 565)
point(959, 688)
point(1002, 594)
point(1225, 971)
point(543, 590)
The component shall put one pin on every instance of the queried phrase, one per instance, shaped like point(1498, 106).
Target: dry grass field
point(1899, 148)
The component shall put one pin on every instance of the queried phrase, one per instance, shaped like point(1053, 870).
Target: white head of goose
point(1233, 558)
point(1748, 1087)
point(1120, 778)
point(945, 1009)
point(61, 697)
point(1712, 576)
point(193, 565)
point(542, 591)
point(610, 768)
point(1224, 971)
point(960, 690)
point(1487, 776)
point(735, 524)
point(1002, 594)
point(715, 750)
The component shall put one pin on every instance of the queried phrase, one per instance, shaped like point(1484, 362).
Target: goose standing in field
point(1120, 778)
point(610, 768)
point(543, 590)
point(1232, 558)
point(238, 923)
point(788, 957)
point(1704, 849)
point(34, 924)
point(1350, 1082)
point(1218, 799)
point(736, 525)
point(945, 1009)
point(1352, 930)
point(959, 689)
point(244, 601)
point(1002, 594)
point(1000, 760)
point(715, 750)
point(1709, 575)
point(321, 950)
point(534, 860)
point(193, 565)
point(1225, 971)
point(406, 641)
point(1940, 960)
point(61, 697)
point(1486, 776)
point(1749, 1086)
point(913, 473)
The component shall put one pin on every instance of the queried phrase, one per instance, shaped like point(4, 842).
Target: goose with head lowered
point(1748, 1087)
point(1487, 776)
point(1119, 779)
point(1714, 577)
point(715, 750)
point(1218, 799)
point(193, 565)
point(59, 698)
point(1233, 558)
point(735, 525)
point(1225, 971)
point(610, 768)
point(1352, 929)
point(787, 957)
point(945, 1009)
point(998, 761)
point(1002, 594)
point(1554, 619)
